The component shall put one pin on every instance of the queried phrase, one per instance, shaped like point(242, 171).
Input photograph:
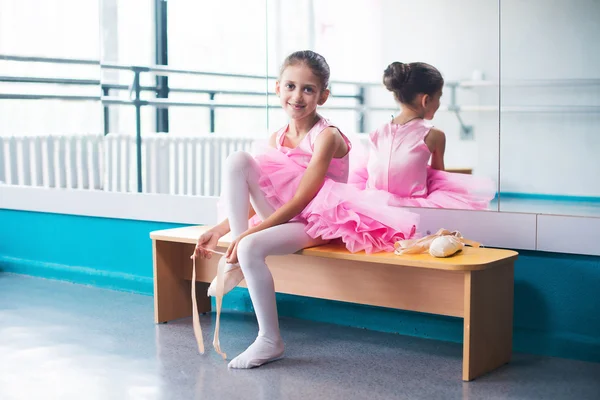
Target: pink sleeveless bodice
point(301, 154)
point(398, 159)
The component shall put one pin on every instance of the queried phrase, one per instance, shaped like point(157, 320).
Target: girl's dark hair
point(314, 61)
point(406, 81)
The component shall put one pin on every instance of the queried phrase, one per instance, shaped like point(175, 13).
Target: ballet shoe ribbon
point(219, 300)
point(195, 316)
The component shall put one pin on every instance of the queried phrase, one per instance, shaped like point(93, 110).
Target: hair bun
point(395, 76)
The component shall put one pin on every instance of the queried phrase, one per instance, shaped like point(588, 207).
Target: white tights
point(241, 181)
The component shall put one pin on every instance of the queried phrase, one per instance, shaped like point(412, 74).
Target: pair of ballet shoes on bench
point(443, 243)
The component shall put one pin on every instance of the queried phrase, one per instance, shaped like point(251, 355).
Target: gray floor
point(65, 341)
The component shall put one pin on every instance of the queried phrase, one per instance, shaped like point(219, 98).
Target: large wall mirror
point(361, 41)
point(550, 91)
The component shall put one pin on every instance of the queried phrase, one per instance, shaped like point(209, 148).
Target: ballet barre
point(475, 285)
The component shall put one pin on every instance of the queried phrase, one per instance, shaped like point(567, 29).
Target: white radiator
point(171, 164)
point(71, 162)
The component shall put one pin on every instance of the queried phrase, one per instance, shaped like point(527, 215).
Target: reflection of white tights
point(242, 175)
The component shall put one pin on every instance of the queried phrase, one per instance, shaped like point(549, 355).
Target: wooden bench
point(476, 285)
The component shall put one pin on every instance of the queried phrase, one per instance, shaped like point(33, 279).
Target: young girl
point(400, 151)
point(287, 188)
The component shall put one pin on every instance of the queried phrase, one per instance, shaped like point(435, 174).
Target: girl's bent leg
point(241, 187)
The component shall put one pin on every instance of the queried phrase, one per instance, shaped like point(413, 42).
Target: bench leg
point(172, 293)
point(488, 320)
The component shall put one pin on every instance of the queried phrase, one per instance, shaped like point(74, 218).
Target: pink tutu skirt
point(365, 220)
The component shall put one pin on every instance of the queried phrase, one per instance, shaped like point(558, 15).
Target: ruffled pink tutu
point(363, 220)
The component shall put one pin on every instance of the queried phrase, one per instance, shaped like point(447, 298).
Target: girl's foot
point(262, 351)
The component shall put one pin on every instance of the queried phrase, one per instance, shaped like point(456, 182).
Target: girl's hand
point(231, 253)
point(206, 242)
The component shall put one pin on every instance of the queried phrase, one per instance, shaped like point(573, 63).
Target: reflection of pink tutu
point(364, 220)
point(452, 190)
point(444, 190)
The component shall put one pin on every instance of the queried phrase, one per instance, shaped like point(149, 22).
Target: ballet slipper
point(443, 243)
point(445, 246)
point(232, 277)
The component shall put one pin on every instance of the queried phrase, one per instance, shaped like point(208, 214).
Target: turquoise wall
point(105, 252)
point(556, 295)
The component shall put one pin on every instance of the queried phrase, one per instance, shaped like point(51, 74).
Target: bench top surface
point(470, 259)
